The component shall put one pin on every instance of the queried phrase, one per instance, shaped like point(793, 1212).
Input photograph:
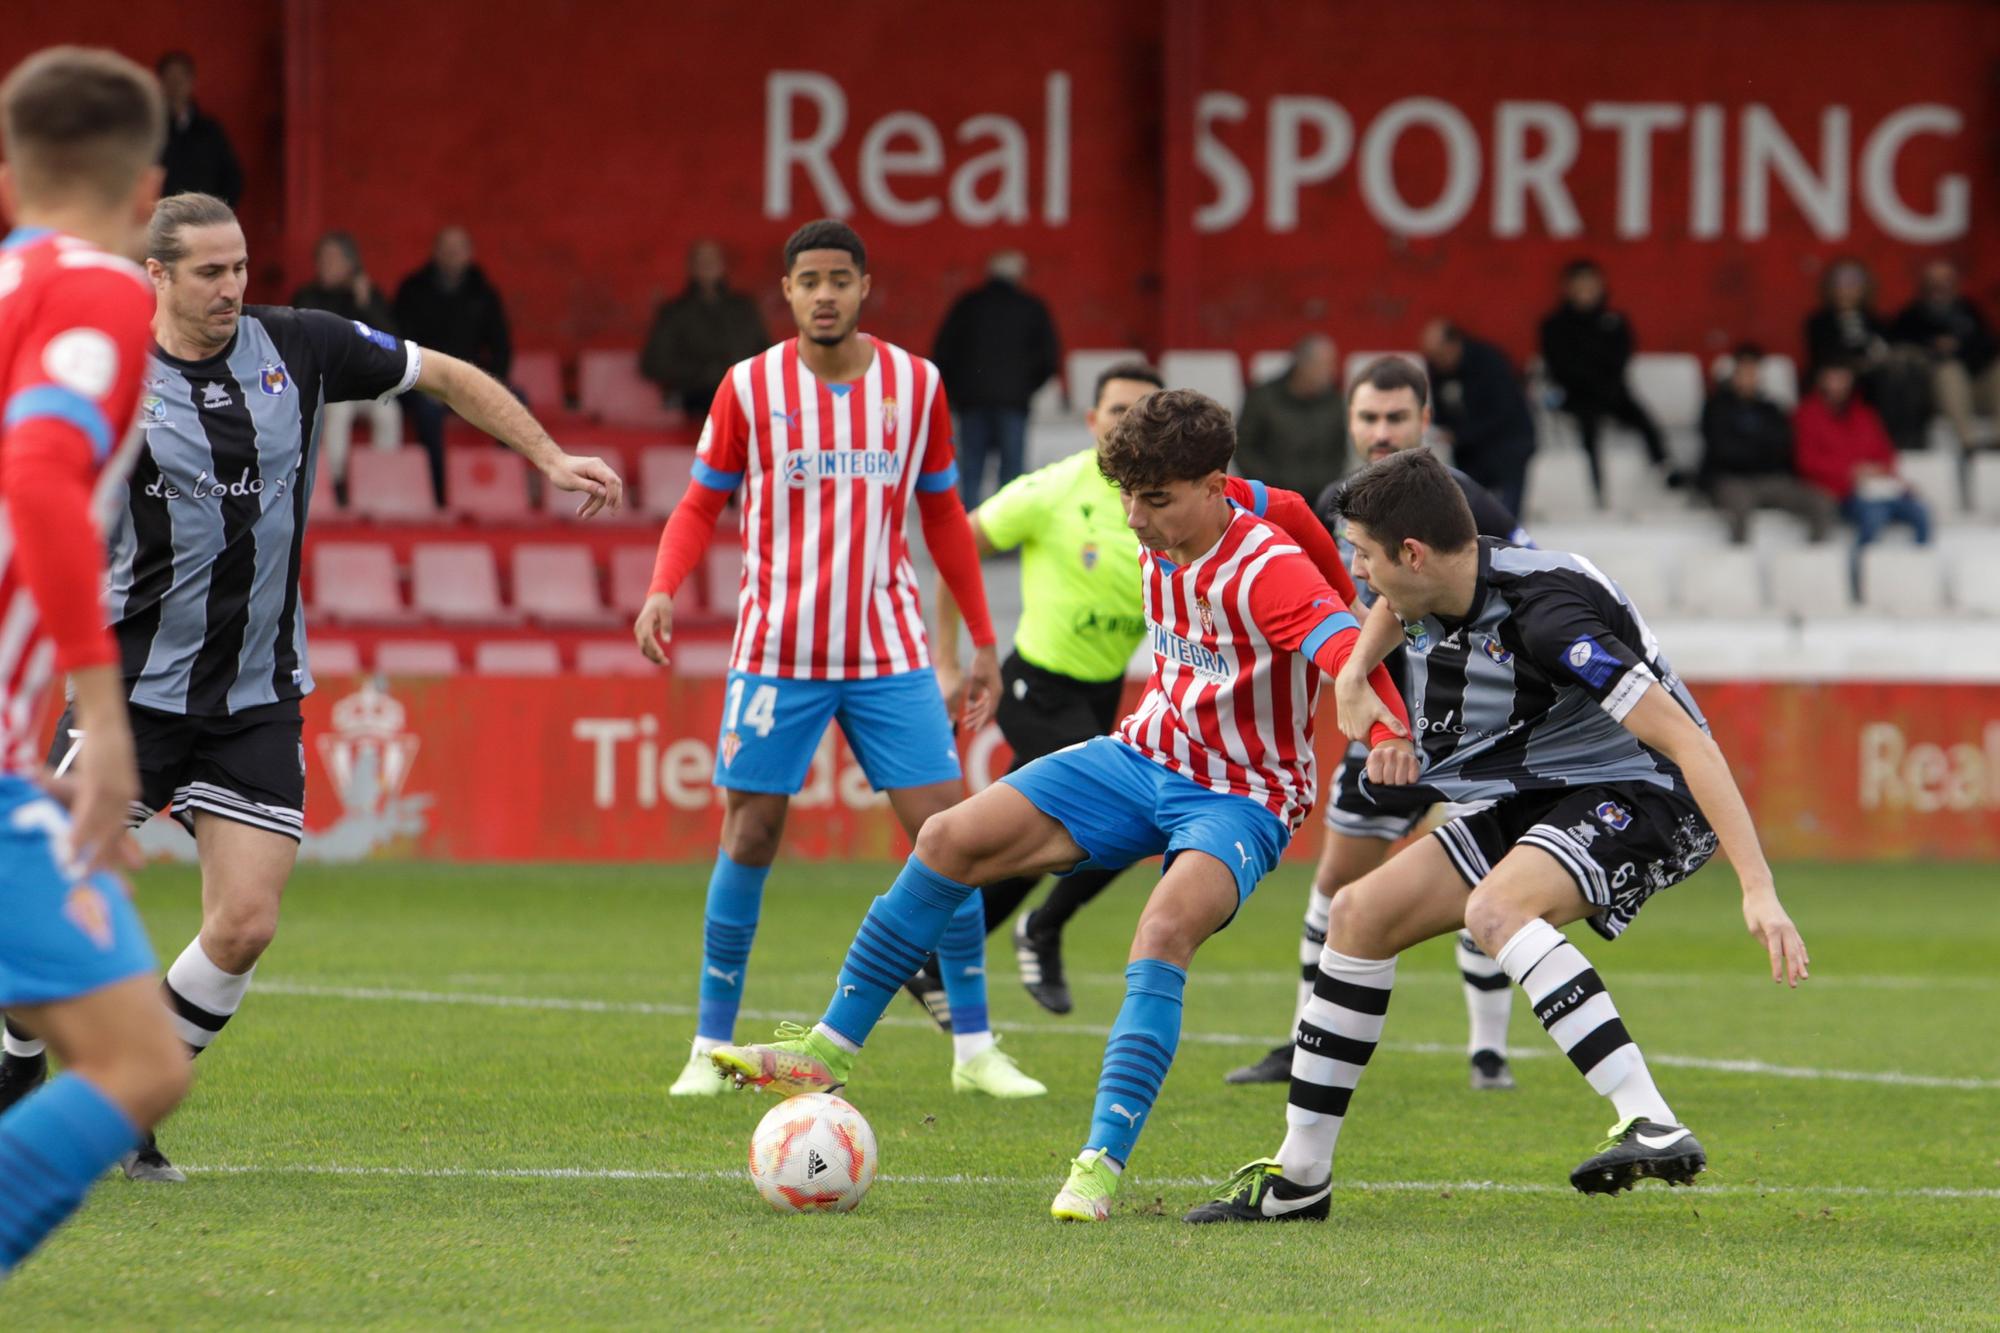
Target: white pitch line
point(565, 1004)
point(1749, 976)
point(1147, 1182)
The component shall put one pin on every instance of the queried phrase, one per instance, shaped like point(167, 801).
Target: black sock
point(1071, 892)
point(1004, 897)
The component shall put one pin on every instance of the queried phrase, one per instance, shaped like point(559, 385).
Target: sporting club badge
point(732, 745)
point(1202, 610)
point(888, 416)
point(88, 912)
point(273, 380)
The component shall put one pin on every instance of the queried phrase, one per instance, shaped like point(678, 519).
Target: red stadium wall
point(617, 769)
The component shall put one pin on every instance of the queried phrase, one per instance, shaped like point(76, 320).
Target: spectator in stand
point(198, 157)
point(1844, 450)
point(342, 286)
point(1846, 329)
point(448, 304)
point(1746, 460)
point(996, 347)
point(1586, 348)
point(1479, 403)
point(1291, 432)
point(1953, 336)
point(700, 334)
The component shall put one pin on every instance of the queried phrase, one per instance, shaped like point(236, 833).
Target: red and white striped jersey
point(75, 325)
point(827, 472)
point(1240, 638)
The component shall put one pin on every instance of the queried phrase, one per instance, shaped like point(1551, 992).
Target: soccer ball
point(812, 1154)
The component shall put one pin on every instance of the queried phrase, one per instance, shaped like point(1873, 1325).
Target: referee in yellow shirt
point(1081, 621)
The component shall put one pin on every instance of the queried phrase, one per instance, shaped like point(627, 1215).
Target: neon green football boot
point(800, 1060)
point(699, 1078)
point(994, 1073)
point(1086, 1195)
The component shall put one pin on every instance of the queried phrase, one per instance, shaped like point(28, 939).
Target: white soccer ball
point(813, 1153)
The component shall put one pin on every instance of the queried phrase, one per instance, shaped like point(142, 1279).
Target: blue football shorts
point(66, 934)
point(896, 726)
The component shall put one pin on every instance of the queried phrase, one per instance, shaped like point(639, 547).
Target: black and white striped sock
point(1489, 998)
point(1336, 1036)
point(201, 997)
point(1319, 907)
point(1577, 1011)
point(20, 1044)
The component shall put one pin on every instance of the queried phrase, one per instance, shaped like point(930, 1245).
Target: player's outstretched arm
point(1664, 725)
point(493, 408)
point(1357, 702)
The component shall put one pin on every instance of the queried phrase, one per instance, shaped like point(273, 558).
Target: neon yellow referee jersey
point(1081, 612)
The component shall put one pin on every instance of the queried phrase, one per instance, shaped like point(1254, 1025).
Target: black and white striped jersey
point(1527, 692)
point(206, 551)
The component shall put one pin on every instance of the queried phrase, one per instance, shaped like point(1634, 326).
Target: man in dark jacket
point(448, 304)
point(1289, 433)
point(1586, 346)
point(1479, 402)
point(341, 286)
point(997, 346)
point(1949, 330)
point(197, 154)
point(1746, 461)
point(700, 334)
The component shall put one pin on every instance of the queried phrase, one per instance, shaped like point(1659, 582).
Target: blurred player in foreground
point(1214, 770)
point(1388, 409)
point(81, 131)
point(1537, 686)
point(827, 435)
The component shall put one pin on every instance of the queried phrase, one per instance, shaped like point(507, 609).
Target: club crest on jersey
point(271, 378)
point(1207, 616)
point(1090, 555)
point(214, 395)
point(1614, 816)
point(1417, 637)
point(87, 911)
point(732, 745)
point(888, 416)
point(152, 410)
point(1491, 647)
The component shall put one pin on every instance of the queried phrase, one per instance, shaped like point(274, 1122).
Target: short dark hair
point(1137, 371)
point(1172, 435)
point(1748, 351)
point(1409, 495)
point(1386, 374)
point(174, 214)
point(825, 234)
point(168, 59)
point(77, 117)
point(1576, 268)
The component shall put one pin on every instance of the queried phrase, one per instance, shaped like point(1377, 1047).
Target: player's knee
point(946, 844)
point(236, 938)
point(750, 834)
point(163, 1072)
point(1356, 923)
point(1163, 936)
point(1493, 915)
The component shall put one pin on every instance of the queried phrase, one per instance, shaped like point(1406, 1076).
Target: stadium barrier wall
point(618, 769)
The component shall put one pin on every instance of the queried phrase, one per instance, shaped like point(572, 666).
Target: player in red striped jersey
point(81, 130)
point(1214, 771)
point(828, 436)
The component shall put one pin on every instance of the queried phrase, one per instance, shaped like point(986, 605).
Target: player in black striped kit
point(1388, 410)
point(204, 585)
point(1535, 684)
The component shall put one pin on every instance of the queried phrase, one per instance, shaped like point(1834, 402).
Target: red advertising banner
point(618, 769)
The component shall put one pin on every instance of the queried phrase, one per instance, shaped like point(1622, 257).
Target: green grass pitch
point(444, 1106)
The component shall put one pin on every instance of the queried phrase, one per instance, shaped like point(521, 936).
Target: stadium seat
point(487, 486)
point(390, 487)
point(1081, 369)
point(1775, 530)
point(563, 504)
point(1268, 365)
point(1355, 362)
point(663, 478)
point(701, 657)
point(610, 388)
point(1777, 377)
point(724, 578)
point(1903, 582)
point(1632, 485)
point(1217, 374)
point(1644, 579)
point(517, 657)
point(1558, 488)
point(1055, 442)
point(416, 657)
point(557, 585)
point(1671, 387)
point(1985, 490)
point(1812, 582)
point(631, 575)
point(333, 657)
point(325, 507)
point(355, 582)
point(1048, 403)
point(539, 376)
point(1933, 475)
point(612, 657)
point(1974, 578)
point(457, 583)
point(1725, 583)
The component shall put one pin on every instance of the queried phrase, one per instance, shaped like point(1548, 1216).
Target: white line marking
point(1166, 1182)
point(1748, 976)
point(568, 1005)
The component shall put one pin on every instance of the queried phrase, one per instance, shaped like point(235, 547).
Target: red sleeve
point(949, 536)
point(719, 461)
point(1298, 612)
point(46, 473)
point(939, 469)
point(1289, 510)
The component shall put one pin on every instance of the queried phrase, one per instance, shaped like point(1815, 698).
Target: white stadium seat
point(1725, 583)
point(1055, 442)
point(334, 657)
point(1974, 576)
point(1986, 485)
point(1812, 582)
point(1670, 385)
point(1933, 475)
point(416, 657)
point(517, 657)
point(1559, 487)
point(1215, 373)
point(1632, 485)
point(1268, 365)
point(1905, 582)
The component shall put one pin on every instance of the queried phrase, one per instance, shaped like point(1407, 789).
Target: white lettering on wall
point(1768, 151)
point(1635, 123)
point(1233, 190)
point(1379, 190)
point(1927, 777)
point(1291, 166)
point(1517, 175)
point(1951, 205)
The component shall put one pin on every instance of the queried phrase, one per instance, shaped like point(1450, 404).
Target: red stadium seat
point(356, 582)
point(610, 388)
point(325, 507)
point(416, 657)
point(391, 487)
point(517, 657)
point(458, 583)
point(557, 585)
point(334, 657)
point(724, 576)
point(563, 504)
point(612, 657)
point(631, 575)
point(663, 478)
point(487, 485)
point(539, 376)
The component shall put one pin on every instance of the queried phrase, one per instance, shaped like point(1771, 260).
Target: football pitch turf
point(444, 1104)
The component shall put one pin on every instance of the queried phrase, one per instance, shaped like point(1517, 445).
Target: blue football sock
point(735, 893)
point(901, 928)
point(962, 959)
point(1137, 1056)
point(54, 1144)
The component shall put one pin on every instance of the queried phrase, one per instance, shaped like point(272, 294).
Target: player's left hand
point(593, 476)
point(1772, 926)
point(982, 690)
point(1357, 708)
point(1394, 764)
